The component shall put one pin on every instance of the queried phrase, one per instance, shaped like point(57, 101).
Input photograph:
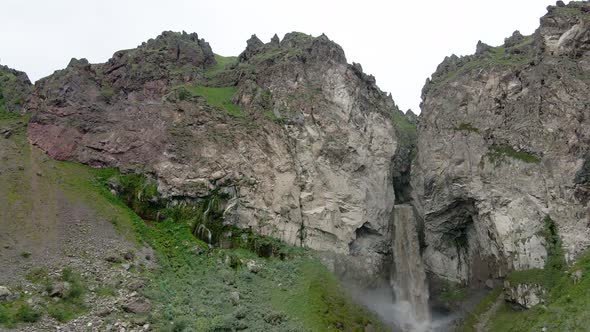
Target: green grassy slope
point(194, 288)
point(566, 307)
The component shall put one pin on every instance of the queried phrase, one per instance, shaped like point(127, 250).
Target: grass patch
point(453, 292)
point(18, 311)
point(567, 300)
point(555, 263)
point(71, 304)
point(272, 116)
point(466, 127)
point(105, 291)
point(569, 11)
point(406, 131)
point(318, 297)
point(217, 97)
point(497, 153)
point(107, 92)
point(500, 56)
point(222, 64)
point(5, 115)
point(531, 276)
point(470, 321)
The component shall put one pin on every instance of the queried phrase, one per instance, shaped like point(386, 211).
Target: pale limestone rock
point(483, 210)
point(526, 295)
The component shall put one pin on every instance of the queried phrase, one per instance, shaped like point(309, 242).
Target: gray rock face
point(525, 295)
point(14, 89)
point(504, 140)
point(307, 157)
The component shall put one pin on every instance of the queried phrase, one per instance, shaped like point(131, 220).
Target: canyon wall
point(503, 151)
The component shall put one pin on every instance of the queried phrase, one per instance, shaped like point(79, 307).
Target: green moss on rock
point(497, 153)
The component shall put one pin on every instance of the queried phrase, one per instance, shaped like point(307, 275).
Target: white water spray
point(409, 277)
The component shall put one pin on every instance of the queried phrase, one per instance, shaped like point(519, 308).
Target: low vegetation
point(218, 97)
point(498, 153)
point(278, 287)
point(223, 63)
point(406, 130)
point(472, 319)
point(503, 57)
point(554, 265)
point(570, 11)
point(71, 304)
point(68, 305)
point(18, 311)
point(468, 127)
point(567, 298)
point(453, 292)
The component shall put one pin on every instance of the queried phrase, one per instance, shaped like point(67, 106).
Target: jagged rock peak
point(275, 41)
point(482, 48)
point(411, 116)
point(293, 44)
point(174, 36)
point(170, 46)
point(514, 40)
point(253, 46)
point(79, 63)
point(21, 76)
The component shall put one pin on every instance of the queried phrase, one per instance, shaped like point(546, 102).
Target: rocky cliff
point(14, 89)
point(504, 142)
point(300, 142)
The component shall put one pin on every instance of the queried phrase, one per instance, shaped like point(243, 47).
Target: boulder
point(234, 297)
point(60, 289)
point(5, 293)
point(525, 295)
point(137, 306)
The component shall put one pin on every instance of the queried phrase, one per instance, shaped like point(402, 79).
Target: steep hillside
point(75, 257)
point(300, 143)
point(59, 237)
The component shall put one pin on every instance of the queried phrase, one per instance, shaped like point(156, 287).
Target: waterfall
point(409, 277)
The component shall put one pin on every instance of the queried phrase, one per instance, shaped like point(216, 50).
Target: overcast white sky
point(399, 42)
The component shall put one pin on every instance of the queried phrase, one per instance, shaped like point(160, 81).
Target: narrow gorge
point(174, 189)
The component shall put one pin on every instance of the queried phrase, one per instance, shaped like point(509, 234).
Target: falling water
point(409, 278)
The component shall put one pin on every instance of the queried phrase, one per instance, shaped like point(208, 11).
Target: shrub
point(27, 314)
point(107, 92)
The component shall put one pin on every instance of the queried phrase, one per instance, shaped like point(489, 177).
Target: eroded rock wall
point(503, 142)
point(307, 156)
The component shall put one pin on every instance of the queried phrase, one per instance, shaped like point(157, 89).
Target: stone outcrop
point(300, 141)
point(503, 141)
point(525, 295)
point(14, 89)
